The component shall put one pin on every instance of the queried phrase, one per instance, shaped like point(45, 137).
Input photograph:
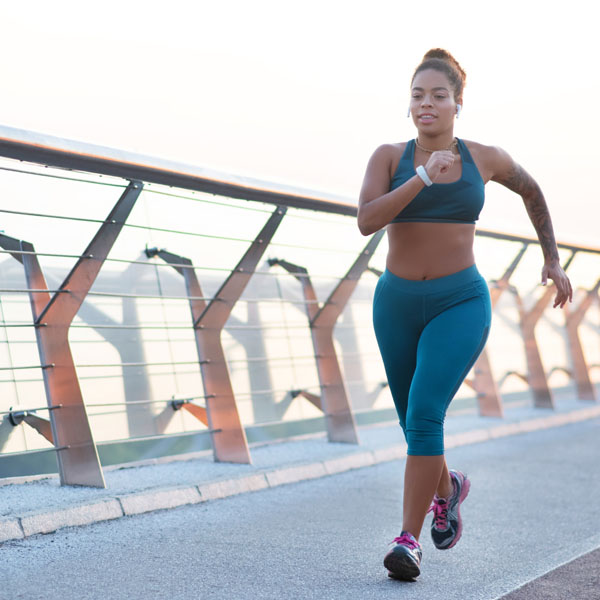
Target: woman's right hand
point(439, 162)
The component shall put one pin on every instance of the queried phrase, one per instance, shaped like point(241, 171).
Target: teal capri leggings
point(430, 332)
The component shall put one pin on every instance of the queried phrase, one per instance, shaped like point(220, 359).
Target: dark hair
point(441, 60)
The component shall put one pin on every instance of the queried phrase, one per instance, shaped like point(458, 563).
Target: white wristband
point(422, 173)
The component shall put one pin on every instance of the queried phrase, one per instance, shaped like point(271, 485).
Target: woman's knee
point(424, 434)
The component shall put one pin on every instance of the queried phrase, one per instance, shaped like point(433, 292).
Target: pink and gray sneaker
point(403, 561)
point(446, 527)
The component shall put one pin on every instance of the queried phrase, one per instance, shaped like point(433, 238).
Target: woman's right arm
point(377, 206)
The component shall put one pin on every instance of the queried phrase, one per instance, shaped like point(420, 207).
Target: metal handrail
point(63, 153)
point(70, 154)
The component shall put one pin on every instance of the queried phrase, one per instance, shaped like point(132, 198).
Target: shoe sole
point(401, 567)
point(463, 494)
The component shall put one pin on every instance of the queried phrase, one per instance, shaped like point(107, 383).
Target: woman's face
point(432, 103)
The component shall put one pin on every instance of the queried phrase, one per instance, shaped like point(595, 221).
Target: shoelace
point(406, 540)
point(440, 512)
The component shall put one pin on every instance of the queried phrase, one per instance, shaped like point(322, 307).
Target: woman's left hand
point(564, 291)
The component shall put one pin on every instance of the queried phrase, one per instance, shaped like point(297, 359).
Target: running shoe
point(446, 526)
point(403, 561)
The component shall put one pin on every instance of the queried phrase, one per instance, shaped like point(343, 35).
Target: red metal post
point(585, 387)
point(228, 435)
point(78, 460)
point(536, 375)
point(484, 384)
point(341, 426)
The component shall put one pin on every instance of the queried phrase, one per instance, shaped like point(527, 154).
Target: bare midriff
point(429, 250)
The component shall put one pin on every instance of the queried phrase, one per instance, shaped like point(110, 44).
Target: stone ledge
point(232, 487)
point(10, 529)
point(296, 473)
point(84, 514)
point(346, 463)
point(141, 502)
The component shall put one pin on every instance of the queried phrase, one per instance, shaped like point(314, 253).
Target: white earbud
point(458, 109)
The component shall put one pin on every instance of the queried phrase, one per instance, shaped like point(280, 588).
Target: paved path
point(30, 507)
point(533, 506)
point(579, 578)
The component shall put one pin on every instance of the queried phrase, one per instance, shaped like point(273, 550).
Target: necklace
point(450, 147)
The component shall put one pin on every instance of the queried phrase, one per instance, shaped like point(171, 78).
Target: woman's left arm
point(511, 175)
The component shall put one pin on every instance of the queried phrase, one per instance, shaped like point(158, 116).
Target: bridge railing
point(151, 308)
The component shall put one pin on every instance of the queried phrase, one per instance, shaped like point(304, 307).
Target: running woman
point(431, 307)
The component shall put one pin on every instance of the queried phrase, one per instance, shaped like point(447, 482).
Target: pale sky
point(303, 92)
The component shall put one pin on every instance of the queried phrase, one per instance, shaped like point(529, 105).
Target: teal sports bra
point(456, 202)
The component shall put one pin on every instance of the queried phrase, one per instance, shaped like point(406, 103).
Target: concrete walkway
point(579, 578)
point(31, 506)
point(531, 509)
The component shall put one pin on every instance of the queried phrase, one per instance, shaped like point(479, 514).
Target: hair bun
point(439, 53)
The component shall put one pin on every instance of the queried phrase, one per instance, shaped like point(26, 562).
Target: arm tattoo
point(520, 182)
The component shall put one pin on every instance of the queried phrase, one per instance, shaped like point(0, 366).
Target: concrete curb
point(147, 501)
point(33, 523)
point(10, 529)
point(84, 514)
